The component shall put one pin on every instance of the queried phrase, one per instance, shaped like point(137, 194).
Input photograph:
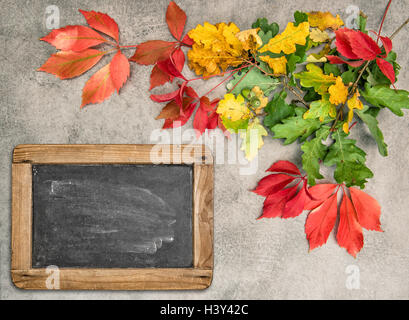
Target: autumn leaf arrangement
point(338, 76)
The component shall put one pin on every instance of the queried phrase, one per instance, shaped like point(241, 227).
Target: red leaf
point(320, 222)
point(338, 60)
point(176, 19)
point(274, 205)
point(213, 121)
point(165, 97)
point(363, 46)
point(367, 208)
point(153, 51)
point(387, 44)
point(387, 69)
point(272, 184)
point(74, 38)
point(158, 77)
point(169, 67)
point(320, 193)
point(200, 121)
point(171, 111)
point(343, 45)
point(295, 206)
point(188, 107)
point(178, 58)
point(349, 235)
point(188, 41)
point(102, 22)
point(284, 166)
point(191, 92)
point(99, 87)
point(120, 70)
point(70, 64)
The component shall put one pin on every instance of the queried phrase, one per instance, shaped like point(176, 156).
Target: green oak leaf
point(295, 127)
point(332, 68)
point(321, 109)
point(350, 76)
point(372, 125)
point(277, 109)
point(314, 77)
point(300, 17)
point(265, 36)
point(383, 96)
point(314, 151)
point(249, 79)
point(292, 61)
point(264, 26)
point(311, 95)
point(348, 159)
point(252, 139)
point(235, 126)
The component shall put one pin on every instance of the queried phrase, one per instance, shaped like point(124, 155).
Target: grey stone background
point(266, 259)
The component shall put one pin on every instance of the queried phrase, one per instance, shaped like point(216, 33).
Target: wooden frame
point(198, 277)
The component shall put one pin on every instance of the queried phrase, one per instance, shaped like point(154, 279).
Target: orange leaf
point(349, 235)
point(176, 20)
point(320, 222)
point(367, 209)
point(99, 87)
point(70, 64)
point(170, 111)
point(102, 22)
point(153, 51)
point(119, 69)
point(158, 77)
point(75, 38)
point(320, 193)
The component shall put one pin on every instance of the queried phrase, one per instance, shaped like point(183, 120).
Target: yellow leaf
point(261, 97)
point(287, 40)
point(321, 109)
point(324, 20)
point(249, 39)
point(338, 92)
point(216, 47)
point(279, 65)
point(253, 139)
point(314, 58)
point(314, 77)
point(233, 108)
point(317, 35)
point(353, 103)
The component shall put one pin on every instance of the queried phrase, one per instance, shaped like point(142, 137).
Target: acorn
point(255, 102)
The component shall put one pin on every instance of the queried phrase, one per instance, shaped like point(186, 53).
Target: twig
point(399, 29)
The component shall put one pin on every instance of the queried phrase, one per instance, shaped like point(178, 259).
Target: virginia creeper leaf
point(120, 70)
point(272, 184)
point(176, 19)
point(319, 193)
point(99, 87)
point(153, 51)
point(284, 166)
point(102, 22)
point(367, 208)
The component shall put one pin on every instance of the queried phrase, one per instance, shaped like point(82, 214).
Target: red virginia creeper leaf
point(188, 41)
point(176, 20)
point(320, 222)
point(200, 121)
point(119, 69)
point(343, 45)
point(387, 69)
point(274, 205)
point(99, 87)
point(178, 58)
point(387, 44)
point(158, 77)
point(102, 22)
point(169, 67)
point(349, 235)
point(153, 51)
point(363, 46)
point(284, 166)
point(320, 192)
point(338, 60)
point(272, 184)
point(188, 108)
point(367, 209)
point(165, 97)
point(295, 206)
point(171, 111)
point(74, 38)
point(190, 92)
point(70, 64)
point(213, 120)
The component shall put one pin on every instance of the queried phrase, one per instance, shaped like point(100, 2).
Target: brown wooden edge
point(198, 277)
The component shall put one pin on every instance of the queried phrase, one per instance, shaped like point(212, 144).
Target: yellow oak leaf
point(314, 58)
point(353, 103)
point(279, 65)
point(324, 20)
point(233, 108)
point(250, 39)
point(338, 92)
point(261, 97)
point(314, 77)
point(287, 40)
point(215, 47)
point(317, 35)
point(253, 139)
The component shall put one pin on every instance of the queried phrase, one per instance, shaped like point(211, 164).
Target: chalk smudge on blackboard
point(97, 216)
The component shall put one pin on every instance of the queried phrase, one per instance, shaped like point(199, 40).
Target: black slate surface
point(112, 216)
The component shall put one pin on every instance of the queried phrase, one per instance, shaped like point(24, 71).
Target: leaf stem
point(399, 29)
point(241, 79)
point(383, 19)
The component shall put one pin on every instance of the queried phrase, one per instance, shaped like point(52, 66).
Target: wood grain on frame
point(198, 277)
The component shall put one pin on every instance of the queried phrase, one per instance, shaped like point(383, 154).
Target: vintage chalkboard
point(118, 217)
